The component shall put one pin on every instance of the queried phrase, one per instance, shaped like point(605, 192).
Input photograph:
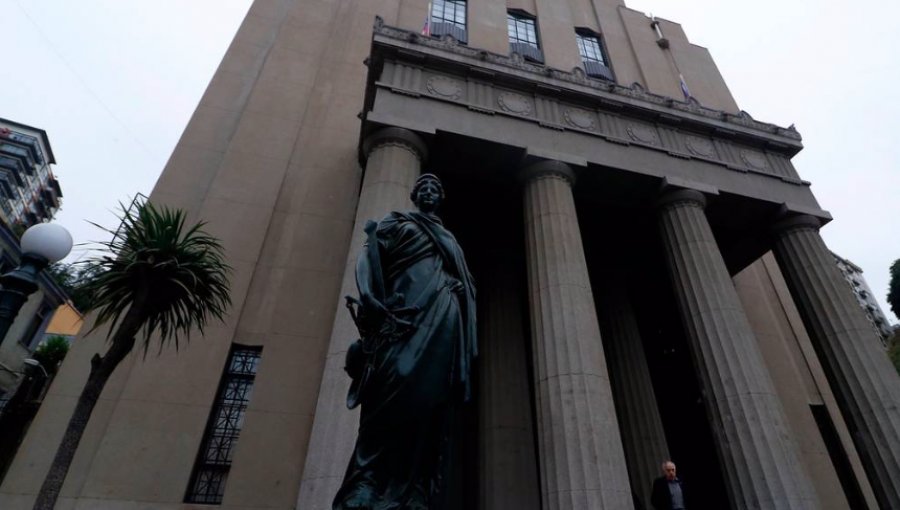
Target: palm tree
point(155, 277)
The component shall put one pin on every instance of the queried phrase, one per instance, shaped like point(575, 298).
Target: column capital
point(671, 195)
point(398, 137)
point(796, 222)
point(546, 168)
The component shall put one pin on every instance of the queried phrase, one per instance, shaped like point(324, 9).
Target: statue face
point(428, 197)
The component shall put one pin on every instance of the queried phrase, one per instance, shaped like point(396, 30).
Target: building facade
point(854, 276)
point(651, 279)
point(29, 192)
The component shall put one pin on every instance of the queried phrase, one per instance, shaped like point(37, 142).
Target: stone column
point(759, 458)
point(643, 435)
point(394, 161)
point(581, 458)
point(509, 475)
point(864, 382)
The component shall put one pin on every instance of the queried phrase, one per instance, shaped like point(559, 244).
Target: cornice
point(409, 46)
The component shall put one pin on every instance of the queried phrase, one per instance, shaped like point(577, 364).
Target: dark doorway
point(483, 210)
point(620, 235)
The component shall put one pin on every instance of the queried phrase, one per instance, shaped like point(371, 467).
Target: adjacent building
point(651, 279)
point(29, 192)
point(866, 298)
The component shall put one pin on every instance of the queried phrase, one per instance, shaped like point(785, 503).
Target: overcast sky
point(114, 83)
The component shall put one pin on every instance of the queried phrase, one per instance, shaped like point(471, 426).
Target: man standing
point(667, 491)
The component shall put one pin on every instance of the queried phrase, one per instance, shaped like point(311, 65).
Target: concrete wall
point(798, 377)
point(14, 347)
point(269, 159)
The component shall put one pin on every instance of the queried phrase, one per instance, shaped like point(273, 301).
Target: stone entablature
point(610, 121)
point(634, 97)
point(671, 139)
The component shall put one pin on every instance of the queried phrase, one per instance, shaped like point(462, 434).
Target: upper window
point(448, 17)
point(522, 29)
point(449, 11)
point(591, 49)
point(523, 35)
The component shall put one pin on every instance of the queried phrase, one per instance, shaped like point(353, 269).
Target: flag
point(426, 29)
point(684, 88)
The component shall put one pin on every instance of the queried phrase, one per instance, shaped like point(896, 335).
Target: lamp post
point(42, 245)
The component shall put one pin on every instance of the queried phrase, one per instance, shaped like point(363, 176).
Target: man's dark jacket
point(660, 498)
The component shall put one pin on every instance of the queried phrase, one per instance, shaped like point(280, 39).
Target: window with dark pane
point(523, 35)
point(448, 17)
point(522, 29)
point(593, 55)
point(449, 11)
point(589, 47)
point(226, 420)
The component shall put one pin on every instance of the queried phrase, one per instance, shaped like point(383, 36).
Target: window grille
point(226, 420)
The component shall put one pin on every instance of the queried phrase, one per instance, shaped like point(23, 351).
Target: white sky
point(114, 82)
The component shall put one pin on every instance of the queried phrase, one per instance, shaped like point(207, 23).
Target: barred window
point(449, 11)
point(590, 49)
point(522, 29)
point(226, 420)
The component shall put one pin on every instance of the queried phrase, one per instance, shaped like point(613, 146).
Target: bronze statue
point(411, 367)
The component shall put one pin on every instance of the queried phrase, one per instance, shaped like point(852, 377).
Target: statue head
point(427, 193)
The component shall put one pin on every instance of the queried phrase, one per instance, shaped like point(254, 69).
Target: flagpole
point(426, 30)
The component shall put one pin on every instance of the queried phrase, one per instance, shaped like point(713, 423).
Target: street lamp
point(31, 362)
point(42, 245)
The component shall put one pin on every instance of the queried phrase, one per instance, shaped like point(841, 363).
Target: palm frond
point(182, 270)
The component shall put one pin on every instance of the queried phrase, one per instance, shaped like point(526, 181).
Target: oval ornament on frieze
point(580, 118)
point(755, 160)
point(700, 146)
point(514, 103)
point(643, 134)
point(444, 87)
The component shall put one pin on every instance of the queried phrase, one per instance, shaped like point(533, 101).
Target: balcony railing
point(598, 70)
point(441, 28)
point(528, 51)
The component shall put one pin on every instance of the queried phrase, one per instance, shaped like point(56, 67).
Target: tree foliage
point(51, 352)
point(894, 288)
point(72, 278)
point(894, 349)
point(180, 270)
point(157, 278)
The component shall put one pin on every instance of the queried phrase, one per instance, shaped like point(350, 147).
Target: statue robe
point(403, 450)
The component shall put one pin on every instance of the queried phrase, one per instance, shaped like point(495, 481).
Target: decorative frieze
point(515, 103)
point(700, 146)
point(445, 87)
point(644, 133)
point(545, 107)
point(480, 96)
point(580, 119)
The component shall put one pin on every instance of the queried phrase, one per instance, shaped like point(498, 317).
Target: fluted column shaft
point(643, 435)
point(509, 475)
point(862, 378)
point(394, 162)
point(759, 458)
point(581, 457)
